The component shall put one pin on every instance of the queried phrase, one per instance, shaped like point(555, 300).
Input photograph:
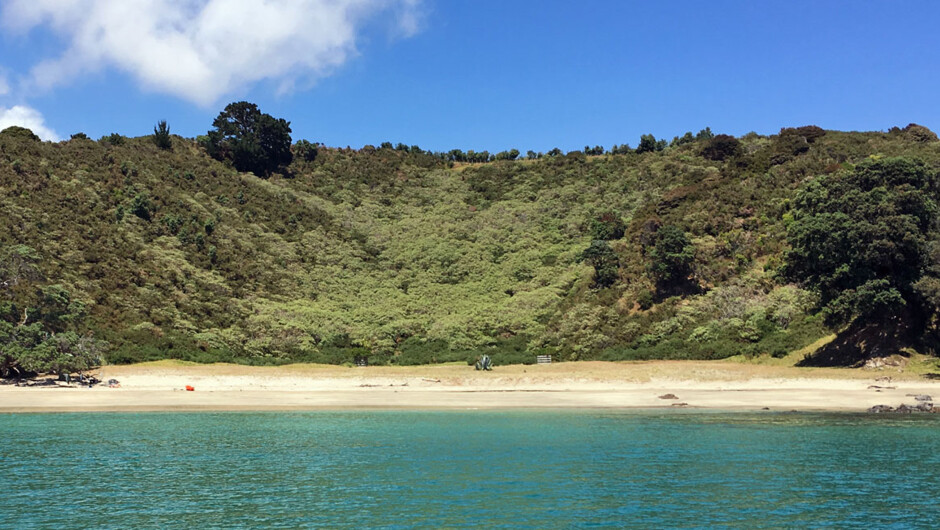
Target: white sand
point(726, 386)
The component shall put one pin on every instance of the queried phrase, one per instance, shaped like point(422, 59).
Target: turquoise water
point(455, 469)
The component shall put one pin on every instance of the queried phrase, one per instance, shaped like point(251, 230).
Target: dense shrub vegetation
point(703, 247)
point(37, 321)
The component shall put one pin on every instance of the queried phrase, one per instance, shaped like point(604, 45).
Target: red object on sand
point(189, 388)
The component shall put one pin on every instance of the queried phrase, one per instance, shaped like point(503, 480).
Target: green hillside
point(409, 257)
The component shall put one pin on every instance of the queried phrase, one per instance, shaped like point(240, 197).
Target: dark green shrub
point(607, 226)
point(512, 154)
point(415, 351)
point(141, 206)
point(670, 260)
point(161, 136)
point(333, 354)
point(621, 149)
point(789, 146)
point(808, 132)
point(143, 345)
point(919, 133)
point(18, 132)
point(649, 143)
point(686, 138)
point(801, 333)
point(305, 150)
point(645, 299)
point(128, 169)
point(507, 350)
point(172, 223)
point(705, 134)
point(605, 262)
point(114, 139)
point(721, 147)
point(794, 142)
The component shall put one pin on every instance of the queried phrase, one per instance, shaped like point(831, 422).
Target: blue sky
point(475, 74)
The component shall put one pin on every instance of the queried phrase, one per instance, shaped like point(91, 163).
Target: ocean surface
point(532, 469)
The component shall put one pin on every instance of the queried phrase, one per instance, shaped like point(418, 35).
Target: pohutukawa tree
point(861, 239)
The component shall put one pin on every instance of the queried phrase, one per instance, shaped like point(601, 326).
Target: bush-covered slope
point(407, 257)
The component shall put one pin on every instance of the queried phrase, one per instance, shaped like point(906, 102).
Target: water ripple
point(460, 469)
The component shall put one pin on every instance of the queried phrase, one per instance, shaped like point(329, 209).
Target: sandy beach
point(658, 384)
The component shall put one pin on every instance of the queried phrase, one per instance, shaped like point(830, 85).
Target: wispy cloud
point(27, 117)
point(201, 50)
point(4, 85)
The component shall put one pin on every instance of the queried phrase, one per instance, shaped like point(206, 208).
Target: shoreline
point(693, 385)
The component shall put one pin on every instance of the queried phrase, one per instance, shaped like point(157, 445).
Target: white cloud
point(27, 117)
point(201, 50)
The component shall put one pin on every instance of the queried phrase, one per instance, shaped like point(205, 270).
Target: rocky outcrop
point(924, 406)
